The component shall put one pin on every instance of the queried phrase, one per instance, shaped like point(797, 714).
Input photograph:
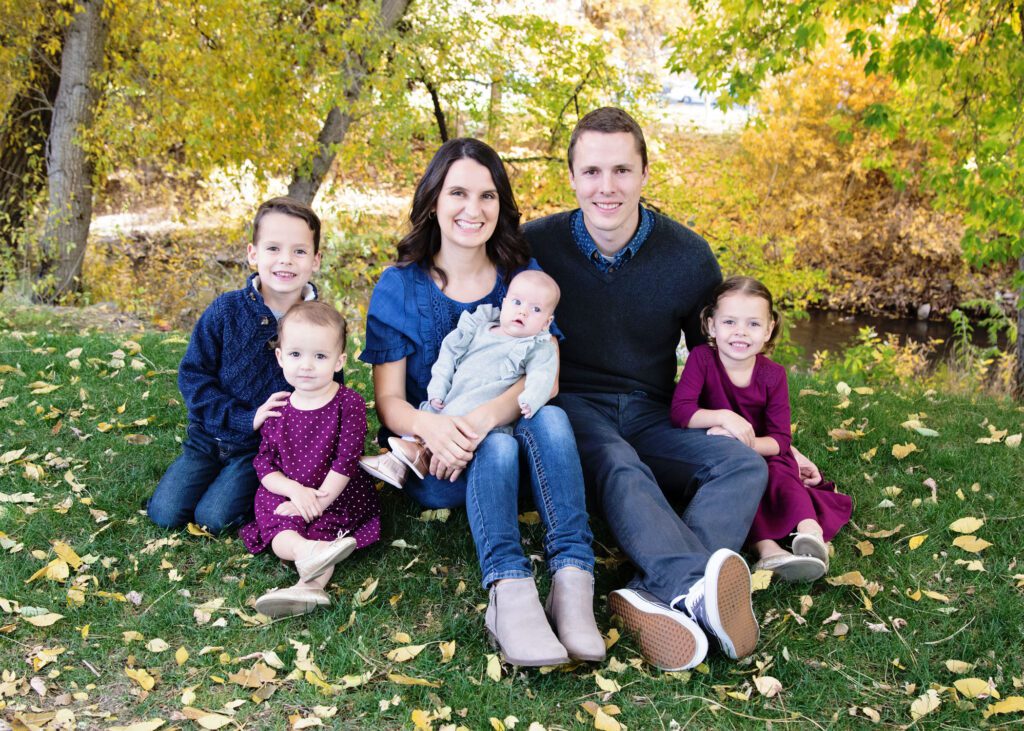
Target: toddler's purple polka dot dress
point(305, 445)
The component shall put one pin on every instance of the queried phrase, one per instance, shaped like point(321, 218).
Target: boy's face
point(309, 355)
point(608, 175)
point(527, 309)
point(283, 256)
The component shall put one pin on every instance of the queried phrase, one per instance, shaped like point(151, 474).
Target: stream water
point(835, 331)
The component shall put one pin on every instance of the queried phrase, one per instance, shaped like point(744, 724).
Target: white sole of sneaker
point(727, 601)
point(669, 640)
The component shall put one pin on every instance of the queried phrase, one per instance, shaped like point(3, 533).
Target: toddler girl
point(732, 390)
point(489, 351)
point(314, 506)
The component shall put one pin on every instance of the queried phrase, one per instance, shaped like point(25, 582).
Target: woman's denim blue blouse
point(409, 316)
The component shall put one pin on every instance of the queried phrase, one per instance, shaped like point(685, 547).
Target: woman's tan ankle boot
point(516, 622)
point(570, 606)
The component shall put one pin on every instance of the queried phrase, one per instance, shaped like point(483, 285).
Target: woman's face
point(467, 208)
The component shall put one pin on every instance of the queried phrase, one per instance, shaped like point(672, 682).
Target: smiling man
point(632, 280)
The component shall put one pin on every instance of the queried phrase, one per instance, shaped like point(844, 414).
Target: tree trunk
point(68, 167)
point(435, 100)
point(306, 180)
point(23, 134)
point(1018, 376)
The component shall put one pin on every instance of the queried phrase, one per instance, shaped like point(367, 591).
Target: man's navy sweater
point(622, 328)
point(229, 368)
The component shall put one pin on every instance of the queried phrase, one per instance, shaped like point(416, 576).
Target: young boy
point(230, 379)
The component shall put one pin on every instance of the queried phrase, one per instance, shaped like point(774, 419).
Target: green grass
point(430, 589)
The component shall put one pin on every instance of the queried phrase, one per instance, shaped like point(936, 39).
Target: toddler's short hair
point(315, 313)
point(289, 207)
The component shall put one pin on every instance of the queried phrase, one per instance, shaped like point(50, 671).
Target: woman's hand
point(450, 439)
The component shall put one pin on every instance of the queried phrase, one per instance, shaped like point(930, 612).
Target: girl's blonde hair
point(748, 286)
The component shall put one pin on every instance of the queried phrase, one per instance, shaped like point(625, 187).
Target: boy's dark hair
point(748, 286)
point(608, 120)
point(506, 248)
point(290, 207)
point(315, 313)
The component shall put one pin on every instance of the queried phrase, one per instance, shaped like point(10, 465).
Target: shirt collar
point(588, 247)
point(308, 293)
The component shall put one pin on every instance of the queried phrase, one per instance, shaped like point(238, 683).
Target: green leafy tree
point(957, 69)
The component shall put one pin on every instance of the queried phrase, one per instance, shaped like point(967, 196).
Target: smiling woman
point(462, 252)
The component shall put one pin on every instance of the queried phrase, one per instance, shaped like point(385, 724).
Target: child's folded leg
point(174, 500)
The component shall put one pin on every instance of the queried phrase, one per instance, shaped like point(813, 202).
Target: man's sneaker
point(668, 639)
point(720, 604)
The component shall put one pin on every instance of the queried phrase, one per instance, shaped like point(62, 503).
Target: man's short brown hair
point(609, 120)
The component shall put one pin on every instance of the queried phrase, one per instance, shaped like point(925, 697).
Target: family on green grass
point(509, 361)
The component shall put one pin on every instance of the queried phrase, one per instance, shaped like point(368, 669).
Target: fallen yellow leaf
point(760, 580)
point(1011, 704)
point(900, 451)
point(151, 725)
point(406, 680)
point(44, 620)
point(916, 541)
point(141, 676)
point(966, 525)
point(971, 544)
point(850, 578)
point(405, 653)
point(975, 688)
point(447, 651)
point(493, 668)
point(959, 666)
point(925, 704)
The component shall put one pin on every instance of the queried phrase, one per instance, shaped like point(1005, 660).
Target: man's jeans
point(489, 488)
point(635, 462)
point(212, 483)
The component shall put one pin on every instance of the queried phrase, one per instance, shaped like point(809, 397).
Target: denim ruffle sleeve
point(390, 320)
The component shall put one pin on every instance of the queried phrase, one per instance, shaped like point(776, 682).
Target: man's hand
point(269, 408)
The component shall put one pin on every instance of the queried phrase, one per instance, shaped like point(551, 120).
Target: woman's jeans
point(545, 447)
point(212, 483)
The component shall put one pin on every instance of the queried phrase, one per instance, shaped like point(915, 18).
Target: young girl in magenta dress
point(731, 389)
point(314, 505)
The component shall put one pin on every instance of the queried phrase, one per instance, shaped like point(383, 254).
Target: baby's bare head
point(529, 306)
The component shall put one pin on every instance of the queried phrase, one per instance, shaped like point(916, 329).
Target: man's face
point(608, 176)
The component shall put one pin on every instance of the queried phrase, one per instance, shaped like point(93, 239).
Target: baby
point(486, 354)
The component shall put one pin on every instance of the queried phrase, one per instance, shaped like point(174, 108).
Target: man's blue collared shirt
point(589, 249)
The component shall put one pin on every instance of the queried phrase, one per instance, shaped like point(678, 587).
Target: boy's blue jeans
point(212, 483)
point(636, 462)
point(489, 488)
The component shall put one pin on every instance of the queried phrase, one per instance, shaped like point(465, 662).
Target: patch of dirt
point(103, 316)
